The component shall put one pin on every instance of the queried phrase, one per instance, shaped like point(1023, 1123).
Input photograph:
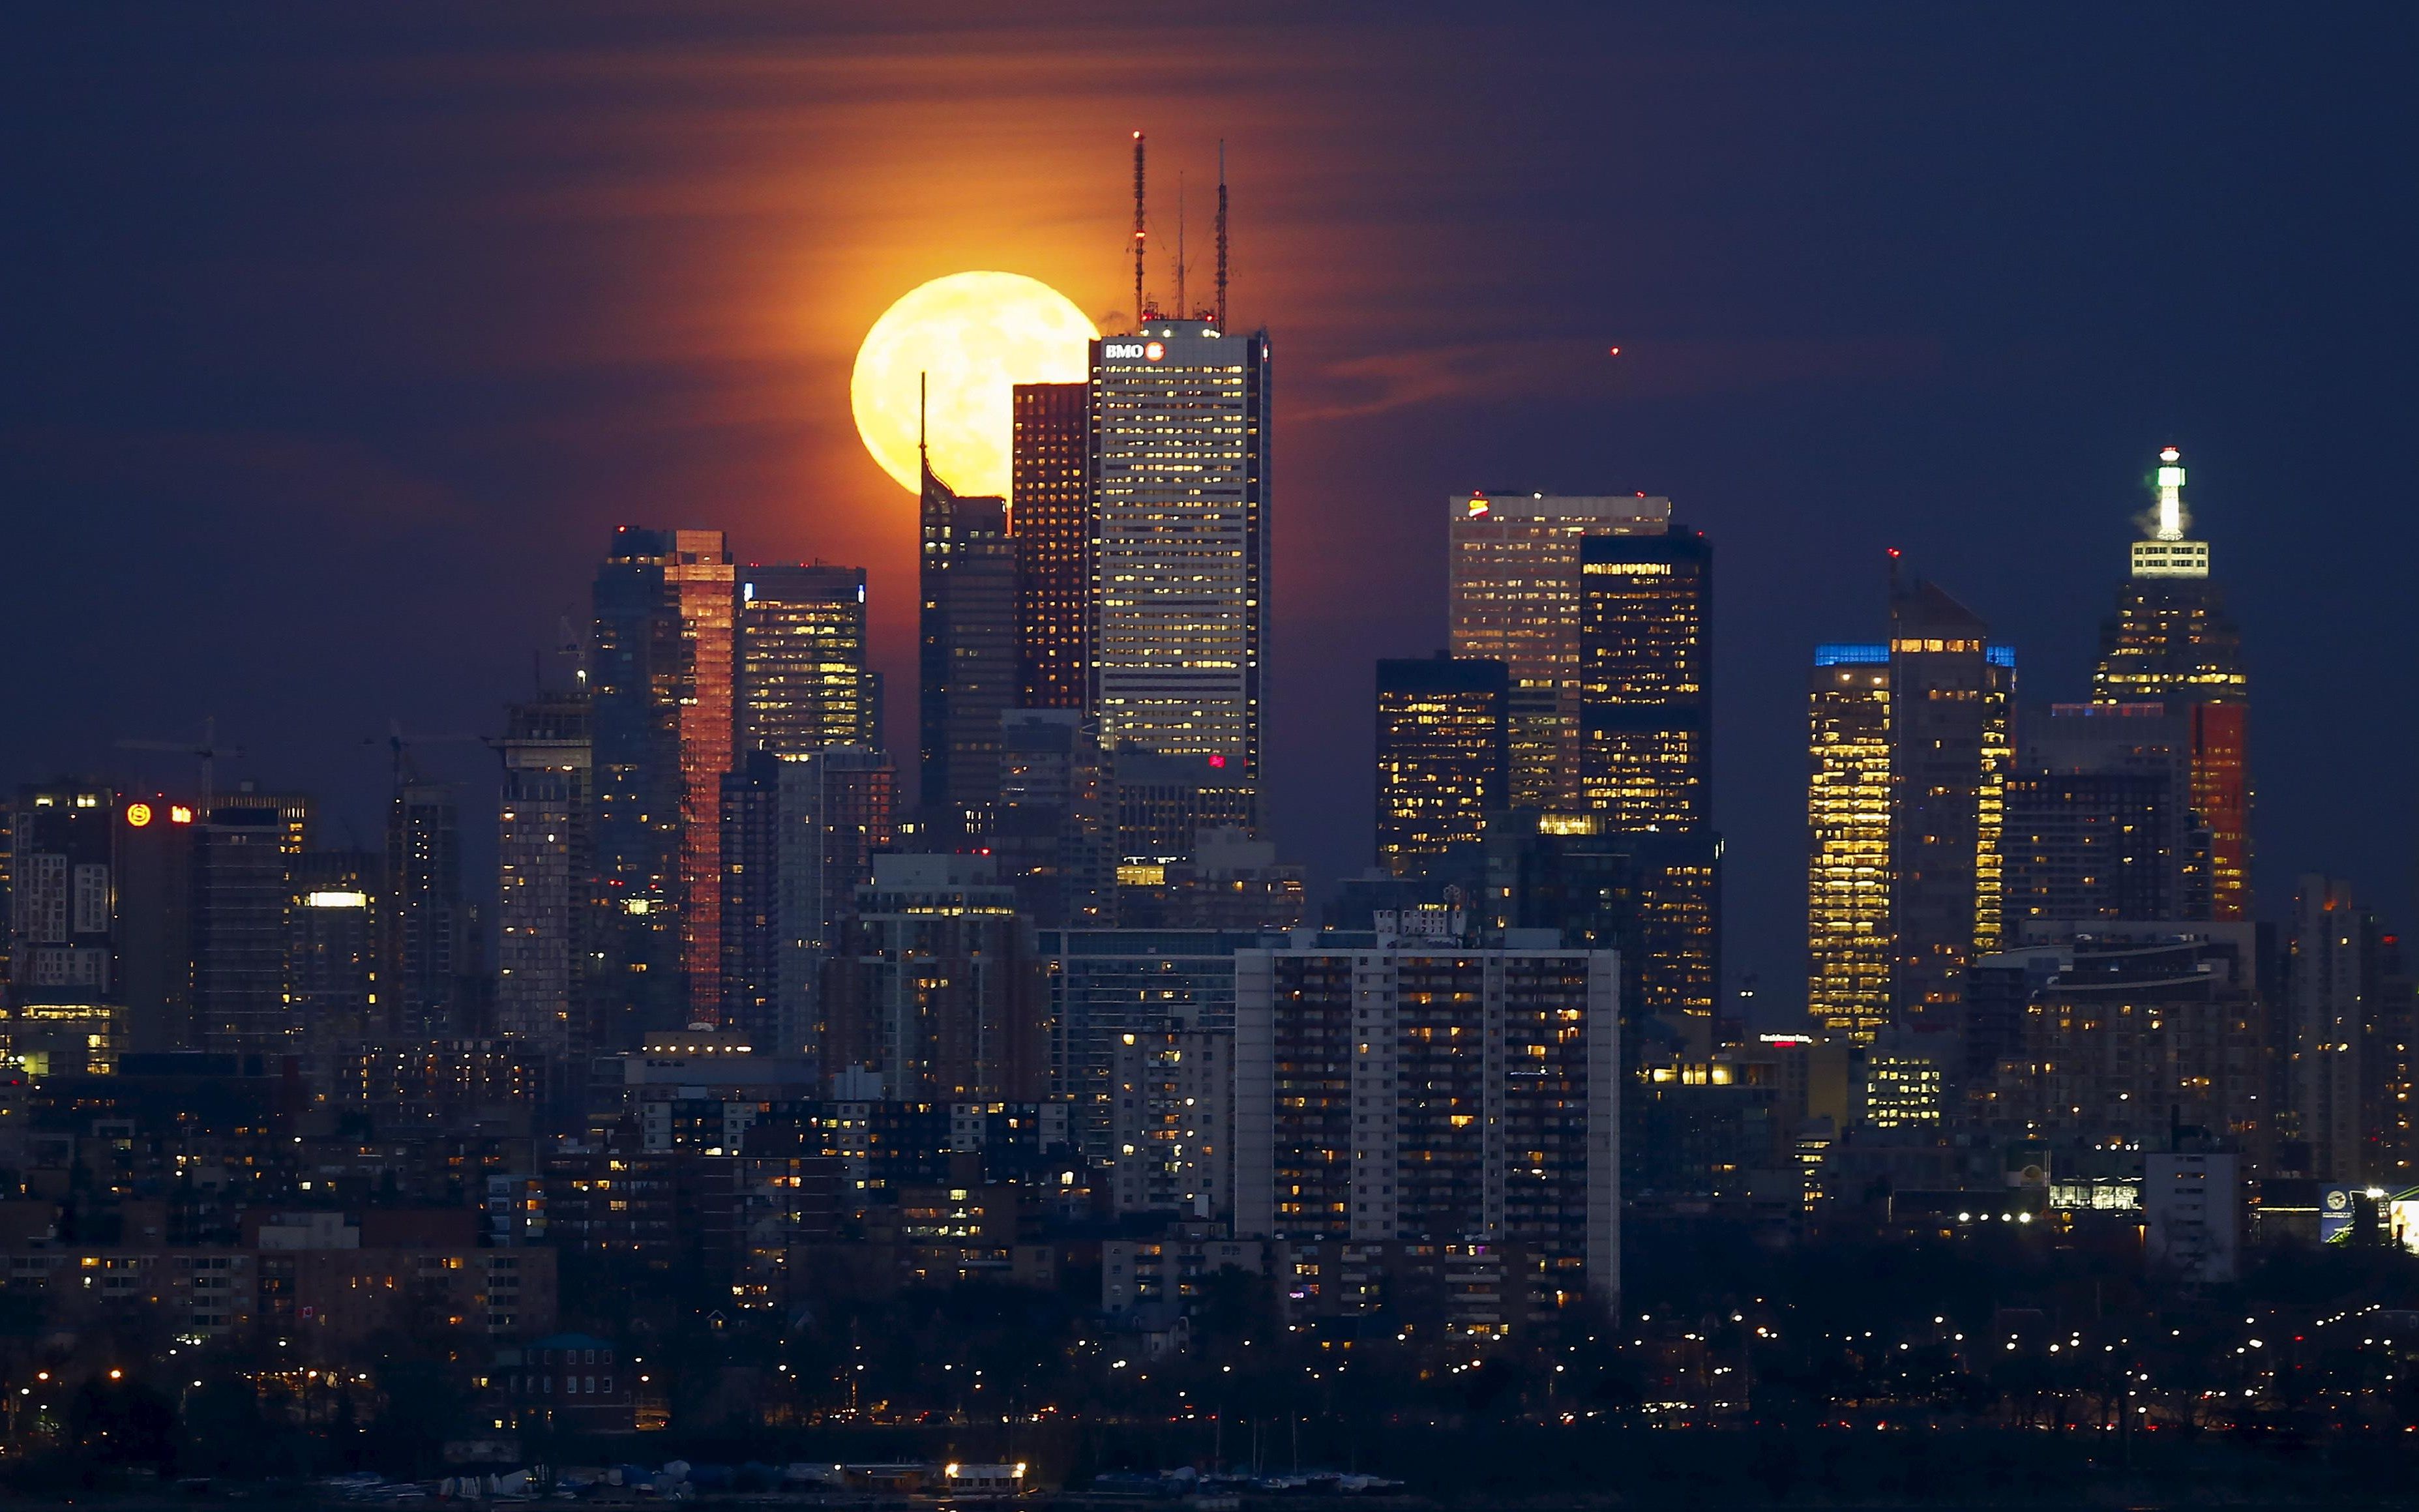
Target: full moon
point(971, 338)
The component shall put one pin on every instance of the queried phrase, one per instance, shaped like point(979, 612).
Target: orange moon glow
point(972, 337)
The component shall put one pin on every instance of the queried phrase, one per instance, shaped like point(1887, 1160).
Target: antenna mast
point(1137, 231)
point(1221, 236)
point(1182, 311)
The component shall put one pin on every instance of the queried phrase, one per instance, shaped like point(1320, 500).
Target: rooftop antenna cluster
point(1144, 310)
point(1222, 234)
point(1138, 231)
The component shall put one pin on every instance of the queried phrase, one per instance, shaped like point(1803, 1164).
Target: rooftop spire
point(2171, 495)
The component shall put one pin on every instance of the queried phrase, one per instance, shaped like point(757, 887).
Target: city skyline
point(1374, 429)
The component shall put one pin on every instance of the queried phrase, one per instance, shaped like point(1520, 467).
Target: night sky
point(339, 337)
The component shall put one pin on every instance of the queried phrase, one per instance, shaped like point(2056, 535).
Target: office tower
point(1054, 836)
point(546, 924)
point(334, 944)
point(2326, 1004)
point(1109, 985)
point(934, 987)
point(240, 937)
point(751, 903)
point(1652, 896)
point(1178, 458)
point(1229, 881)
point(1848, 828)
point(968, 655)
point(1166, 803)
point(155, 921)
point(801, 679)
point(837, 809)
point(1424, 1092)
point(1050, 518)
point(2099, 822)
point(1950, 752)
point(1645, 680)
point(660, 686)
point(62, 1006)
point(1444, 757)
point(424, 919)
point(1513, 560)
point(2172, 641)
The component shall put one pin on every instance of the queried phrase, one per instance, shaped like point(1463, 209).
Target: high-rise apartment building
point(966, 575)
point(1444, 757)
point(751, 900)
point(155, 921)
point(837, 809)
point(801, 682)
point(661, 686)
point(1848, 830)
point(934, 987)
point(61, 1001)
point(1179, 469)
point(799, 835)
point(2327, 1013)
point(547, 923)
point(1054, 836)
point(1513, 563)
point(426, 932)
point(2172, 641)
point(333, 947)
point(1049, 517)
point(1645, 680)
point(1109, 987)
point(1951, 733)
point(239, 935)
point(1424, 1092)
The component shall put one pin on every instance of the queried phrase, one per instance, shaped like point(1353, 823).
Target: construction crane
point(209, 751)
point(400, 742)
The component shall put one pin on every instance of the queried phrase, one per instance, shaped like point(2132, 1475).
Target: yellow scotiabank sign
point(138, 814)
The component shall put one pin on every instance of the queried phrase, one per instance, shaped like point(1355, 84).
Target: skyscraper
point(1910, 747)
point(546, 924)
point(62, 1013)
point(1049, 517)
point(240, 939)
point(2326, 1007)
point(1513, 561)
point(332, 951)
point(1950, 751)
point(423, 915)
point(838, 808)
point(1179, 468)
point(1848, 830)
point(934, 986)
point(966, 659)
point(2171, 640)
point(661, 685)
point(801, 680)
point(1645, 680)
point(751, 839)
point(1444, 757)
point(2100, 824)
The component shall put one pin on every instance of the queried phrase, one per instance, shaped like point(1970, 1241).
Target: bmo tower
point(1179, 478)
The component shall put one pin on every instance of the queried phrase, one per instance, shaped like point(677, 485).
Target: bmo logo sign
point(1149, 351)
